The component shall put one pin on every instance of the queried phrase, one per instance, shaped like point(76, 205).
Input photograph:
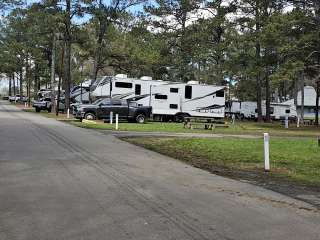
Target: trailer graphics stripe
point(210, 94)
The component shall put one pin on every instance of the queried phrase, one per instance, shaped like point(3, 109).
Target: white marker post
point(286, 122)
point(111, 117)
point(266, 152)
point(68, 113)
point(298, 122)
point(117, 121)
point(25, 105)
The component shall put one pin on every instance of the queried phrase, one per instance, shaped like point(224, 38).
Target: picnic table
point(203, 122)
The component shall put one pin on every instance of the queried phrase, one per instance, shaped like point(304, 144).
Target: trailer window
point(174, 90)
point(174, 106)
point(287, 110)
point(271, 110)
point(220, 93)
point(160, 96)
point(138, 89)
point(188, 92)
point(123, 85)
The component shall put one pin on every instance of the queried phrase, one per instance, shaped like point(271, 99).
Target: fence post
point(111, 117)
point(286, 122)
point(117, 121)
point(266, 152)
point(68, 113)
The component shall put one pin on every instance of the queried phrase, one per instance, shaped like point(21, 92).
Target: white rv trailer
point(122, 87)
point(173, 101)
point(248, 109)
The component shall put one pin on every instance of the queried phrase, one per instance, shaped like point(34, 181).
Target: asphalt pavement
point(60, 182)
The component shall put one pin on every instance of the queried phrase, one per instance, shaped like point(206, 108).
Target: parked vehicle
point(101, 110)
point(174, 101)
point(44, 104)
point(18, 98)
point(248, 110)
point(5, 98)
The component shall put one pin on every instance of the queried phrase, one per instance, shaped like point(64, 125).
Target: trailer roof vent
point(121, 76)
point(193, 82)
point(148, 78)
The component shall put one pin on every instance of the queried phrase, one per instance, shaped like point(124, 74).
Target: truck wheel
point(141, 118)
point(90, 116)
point(49, 110)
point(38, 110)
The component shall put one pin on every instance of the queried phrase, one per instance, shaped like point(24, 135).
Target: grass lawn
point(290, 159)
point(249, 128)
point(241, 128)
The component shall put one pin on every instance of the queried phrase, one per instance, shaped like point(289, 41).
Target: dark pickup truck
point(101, 110)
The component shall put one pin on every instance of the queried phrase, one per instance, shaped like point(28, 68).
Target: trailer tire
point(49, 110)
point(38, 110)
point(90, 116)
point(141, 118)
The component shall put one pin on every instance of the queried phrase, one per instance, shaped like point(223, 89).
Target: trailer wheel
point(179, 117)
point(141, 118)
point(90, 116)
point(38, 110)
point(49, 110)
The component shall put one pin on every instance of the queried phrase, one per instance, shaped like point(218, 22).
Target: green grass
point(241, 128)
point(246, 128)
point(290, 159)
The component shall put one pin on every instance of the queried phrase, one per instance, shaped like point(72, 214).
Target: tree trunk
point(268, 105)
point(14, 85)
point(21, 83)
point(28, 79)
point(67, 61)
point(60, 79)
point(52, 75)
point(97, 60)
point(259, 85)
point(302, 97)
point(317, 102)
point(258, 61)
point(10, 85)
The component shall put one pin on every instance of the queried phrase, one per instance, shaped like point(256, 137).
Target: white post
point(117, 123)
point(286, 122)
point(298, 122)
point(266, 152)
point(68, 113)
point(111, 117)
point(25, 105)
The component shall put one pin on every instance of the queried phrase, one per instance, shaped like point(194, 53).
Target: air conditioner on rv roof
point(146, 78)
point(121, 76)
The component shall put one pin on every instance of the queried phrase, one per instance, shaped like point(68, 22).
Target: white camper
point(248, 109)
point(174, 101)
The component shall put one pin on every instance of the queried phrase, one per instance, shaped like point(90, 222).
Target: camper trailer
point(248, 110)
point(122, 87)
point(174, 101)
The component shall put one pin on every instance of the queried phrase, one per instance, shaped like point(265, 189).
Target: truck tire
point(38, 110)
point(141, 118)
point(90, 116)
point(49, 110)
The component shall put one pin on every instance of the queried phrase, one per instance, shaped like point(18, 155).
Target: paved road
point(62, 182)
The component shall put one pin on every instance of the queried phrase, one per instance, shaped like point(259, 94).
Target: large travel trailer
point(249, 110)
point(173, 101)
point(122, 87)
